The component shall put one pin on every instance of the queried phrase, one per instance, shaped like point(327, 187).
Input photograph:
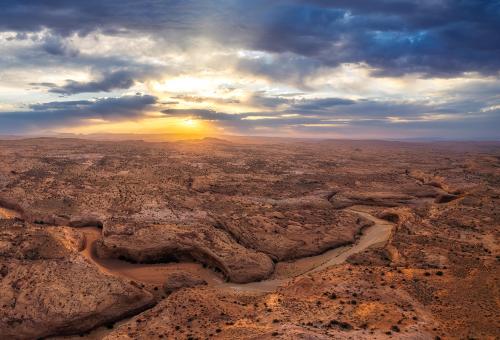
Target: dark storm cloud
point(108, 82)
point(260, 99)
point(436, 38)
point(57, 46)
point(63, 113)
point(321, 104)
point(285, 68)
point(101, 66)
point(269, 102)
point(66, 17)
point(122, 106)
point(109, 72)
point(432, 37)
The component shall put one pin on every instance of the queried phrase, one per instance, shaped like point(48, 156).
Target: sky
point(318, 68)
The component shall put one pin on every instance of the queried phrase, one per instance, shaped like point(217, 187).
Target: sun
point(191, 123)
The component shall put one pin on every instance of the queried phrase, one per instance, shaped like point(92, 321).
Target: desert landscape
point(249, 170)
point(249, 239)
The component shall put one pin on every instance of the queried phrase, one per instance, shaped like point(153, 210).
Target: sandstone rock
point(390, 216)
point(203, 243)
point(307, 308)
point(205, 309)
point(370, 257)
point(296, 231)
point(182, 280)
point(48, 288)
point(85, 221)
point(382, 199)
point(446, 198)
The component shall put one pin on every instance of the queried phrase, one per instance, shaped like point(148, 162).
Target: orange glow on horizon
point(188, 127)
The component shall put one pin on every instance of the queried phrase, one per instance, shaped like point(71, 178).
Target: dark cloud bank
point(441, 37)
point(62, 113)
point(105, 83)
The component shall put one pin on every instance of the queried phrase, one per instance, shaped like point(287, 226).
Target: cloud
point(321, 104)
point(286, 68)
point(112, 16)
point(201, 99)
point(58, 46)
point(434, 38)
point(260, 99)
point(107, 82)
point(301, 64)
point(66, 113)
point(349, 118)
point(313, 117)
point(203, 114)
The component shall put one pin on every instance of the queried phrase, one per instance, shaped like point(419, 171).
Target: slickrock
point(286, 232)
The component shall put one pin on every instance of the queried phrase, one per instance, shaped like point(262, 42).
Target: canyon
point(249, 239)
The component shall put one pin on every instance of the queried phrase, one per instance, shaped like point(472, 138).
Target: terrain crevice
point(375, 234)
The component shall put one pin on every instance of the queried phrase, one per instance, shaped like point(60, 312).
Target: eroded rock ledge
point(203, 243)
point(48, 288)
